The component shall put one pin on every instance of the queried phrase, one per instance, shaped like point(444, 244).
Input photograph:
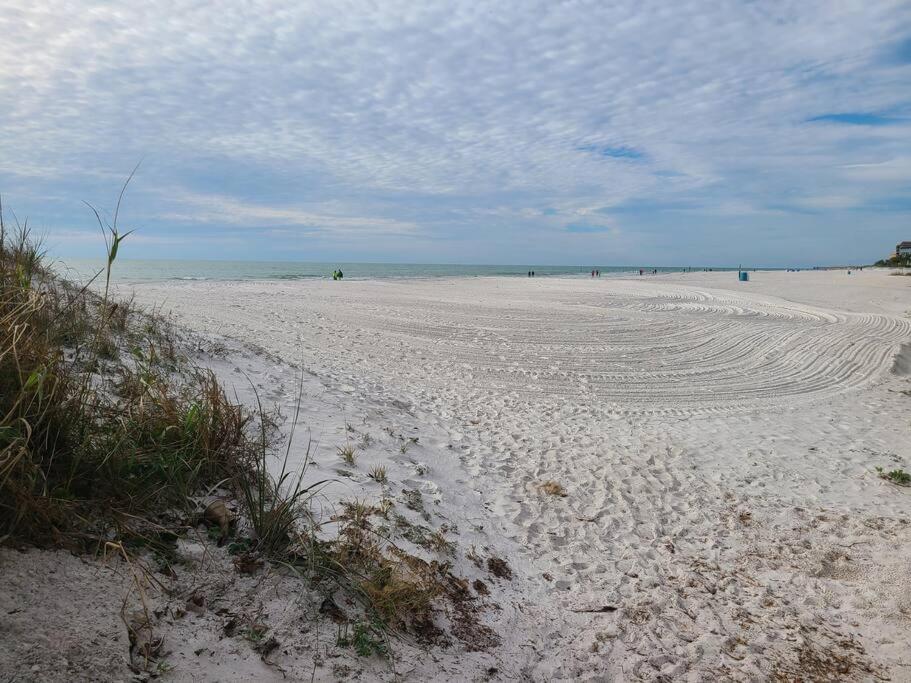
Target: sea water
point(134, 270)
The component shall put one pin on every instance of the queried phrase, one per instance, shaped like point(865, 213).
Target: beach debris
point(231, 625)
point(248, 563)
point(144, 644)
point(603, 609)
point(499, 568)
point(218, 514)
point(196, 603)
point(413, 500)
point(332, 610)
point(266, 647)
point(553, 488)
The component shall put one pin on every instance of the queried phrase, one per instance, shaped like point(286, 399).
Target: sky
point(622, 133)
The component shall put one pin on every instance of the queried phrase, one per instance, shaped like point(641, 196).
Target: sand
point(716, 442)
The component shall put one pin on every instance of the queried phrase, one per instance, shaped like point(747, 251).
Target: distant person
point(532, 273)
point(340, 274)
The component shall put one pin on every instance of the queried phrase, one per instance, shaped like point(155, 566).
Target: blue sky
point(771, 133)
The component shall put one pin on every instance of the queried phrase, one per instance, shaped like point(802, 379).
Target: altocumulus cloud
point(474, 131)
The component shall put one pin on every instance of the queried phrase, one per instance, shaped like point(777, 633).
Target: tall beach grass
point(109, 436)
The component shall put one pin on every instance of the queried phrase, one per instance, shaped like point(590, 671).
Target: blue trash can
point(744, 276)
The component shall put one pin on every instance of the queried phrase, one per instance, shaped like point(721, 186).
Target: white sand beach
point(716, 442)
point(309, 371)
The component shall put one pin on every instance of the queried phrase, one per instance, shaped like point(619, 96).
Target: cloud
point(891, 170)
point(480, 121)
point(227, 211)
point(586, 229)
point(857, 119)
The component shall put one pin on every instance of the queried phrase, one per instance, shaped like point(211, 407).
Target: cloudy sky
point(628, 132)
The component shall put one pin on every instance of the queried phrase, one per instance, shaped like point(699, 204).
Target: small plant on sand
point(553, 488)
point(378, 474)
point(407, 443)
point(162, 668)
point(896, 476)
point(347, 453)
point(437, 541)
point(366, 639)
point(254, 628)
point(384, 506)
point(277, 508)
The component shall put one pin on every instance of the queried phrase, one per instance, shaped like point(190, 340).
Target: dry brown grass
point(553, 488)
point(398, 588)
point(348, 453)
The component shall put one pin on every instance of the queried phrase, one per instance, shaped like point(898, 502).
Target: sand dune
point(716, 441)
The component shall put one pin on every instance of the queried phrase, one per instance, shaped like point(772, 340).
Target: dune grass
point(102, 428)
point(109, 436)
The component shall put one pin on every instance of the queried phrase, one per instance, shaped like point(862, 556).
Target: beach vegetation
point(366, 638)
point(499, 568)
point(347, 453)
point(111, 438)
point(378, 474)
point(896, 476)
point(895, 261)
point(99, 436)
point(397, 588)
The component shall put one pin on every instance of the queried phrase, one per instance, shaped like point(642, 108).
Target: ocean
point(134, 270)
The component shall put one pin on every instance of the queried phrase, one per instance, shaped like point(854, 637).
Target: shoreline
point(150, 271)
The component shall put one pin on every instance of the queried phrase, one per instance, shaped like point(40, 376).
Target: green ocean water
point(127, 270)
